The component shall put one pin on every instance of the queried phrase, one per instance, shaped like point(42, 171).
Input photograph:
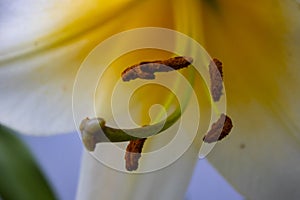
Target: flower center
point(95, 131)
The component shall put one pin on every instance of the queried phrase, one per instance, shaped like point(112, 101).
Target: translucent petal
point(37, 74)
point(29, 26)
point(169, 183)
point(259, 46)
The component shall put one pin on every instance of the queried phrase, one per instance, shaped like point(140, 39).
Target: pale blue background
point(59, 158)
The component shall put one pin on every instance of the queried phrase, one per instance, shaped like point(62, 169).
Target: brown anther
point(219, 129)
point(133, 153)
point(216, 77)
point(146, 70)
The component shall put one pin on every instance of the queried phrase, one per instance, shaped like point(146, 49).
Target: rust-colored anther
point(146, 70)
point(219, 129)
point(133, 153)
point(216, 77)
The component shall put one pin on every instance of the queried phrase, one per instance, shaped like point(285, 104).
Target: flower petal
point(258, 46)
point(169, 183)
point(260, 159)
point(37, 73)
point(30, 25)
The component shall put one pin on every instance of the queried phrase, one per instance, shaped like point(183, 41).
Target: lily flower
point(44, 44)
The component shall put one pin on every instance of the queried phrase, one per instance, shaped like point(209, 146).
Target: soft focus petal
point(30, 25)
point(170, 183)
point(37, 73)
point(258, 42)
point(98, 181)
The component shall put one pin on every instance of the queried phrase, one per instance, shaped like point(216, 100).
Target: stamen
point(95, 131)
point(219, 129)
point(216, 77)
point(146, 70)
point(133, 153)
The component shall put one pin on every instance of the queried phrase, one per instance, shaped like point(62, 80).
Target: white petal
point(261, 157)
point(36, 91)
point(42, 49)
point(100, 182)
point(29, 25)
point(156, 177)
point(39, 56)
